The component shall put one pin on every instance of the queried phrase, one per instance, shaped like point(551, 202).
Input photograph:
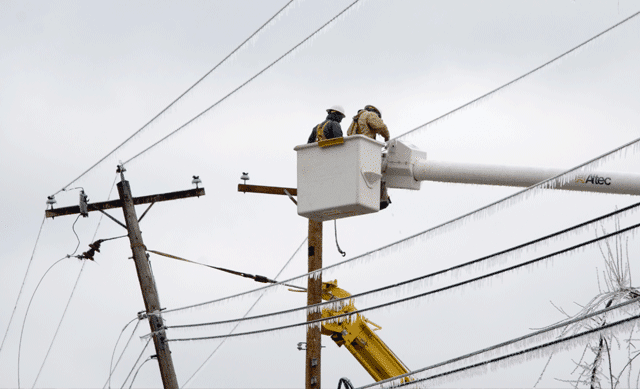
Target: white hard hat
point(337, 108)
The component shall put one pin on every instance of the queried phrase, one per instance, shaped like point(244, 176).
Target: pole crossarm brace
point(118, 203)
point(267, 190)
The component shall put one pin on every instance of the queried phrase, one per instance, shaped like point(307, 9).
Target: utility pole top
point(147, 284)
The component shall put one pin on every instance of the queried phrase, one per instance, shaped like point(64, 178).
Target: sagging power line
point(246, 314)
point(256, 277)
point(551, 331)
point(544, 65)
point(445, 226)
point(427, 276)
point(305, 40)
point(234, 51)
point(417, 296)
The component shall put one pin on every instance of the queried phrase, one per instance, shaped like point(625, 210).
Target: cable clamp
point(134, 245)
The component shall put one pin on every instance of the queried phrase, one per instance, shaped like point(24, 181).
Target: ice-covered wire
point(136, 363)
point(24, 280)
point(180, 97)
point(73, 228)
point(112, 368)
point(59, 325)
point(424, 277)
point(624, 323)
point(24, 321)
point(520, 339)
point(305, 40)
point(135, 375)
point(519, 78)
point(406, 299)
point(245, 315)
point(113, 185)
point(44, 361)
point(257, 278)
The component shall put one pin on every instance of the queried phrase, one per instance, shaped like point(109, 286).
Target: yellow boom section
point(361, 341)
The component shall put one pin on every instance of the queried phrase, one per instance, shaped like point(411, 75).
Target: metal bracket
point(109, 216)
point(145, 211)
point(291, 197)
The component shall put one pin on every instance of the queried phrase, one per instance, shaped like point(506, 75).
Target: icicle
point(426, 296)
point(517, 347)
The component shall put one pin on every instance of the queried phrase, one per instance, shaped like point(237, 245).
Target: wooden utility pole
point(148, 286)
point(147, 283)
point(314, 296)
point(314, 286)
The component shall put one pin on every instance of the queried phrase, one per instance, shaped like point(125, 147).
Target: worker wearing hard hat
point(330, 128)
point(368, 122)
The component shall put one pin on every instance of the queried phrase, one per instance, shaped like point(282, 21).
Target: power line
point(44, 361)
point(179, 97)
point(137, 360)
point(522, 339)
point(420, 295)
point(245, 315)
point(24, 280)
point(111, 367)
point(421, 278)
point(59, 325)
point(257, 277)
point(135, 375)
point(519, 78)
point(432, 231)
point(245, 83)
point(27, 311)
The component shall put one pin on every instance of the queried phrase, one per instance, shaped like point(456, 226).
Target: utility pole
point(314, 296)
point(147, 283)
point(314, 286)
point(148, 286)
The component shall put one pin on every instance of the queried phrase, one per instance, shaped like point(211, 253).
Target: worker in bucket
point(330, 128)
point(368, 122)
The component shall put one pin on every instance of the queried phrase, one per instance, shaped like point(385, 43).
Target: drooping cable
point(113, 185)
point(257, 277)
point(44, 361)
point(180, 97)
point(59, 325)
point(245, 315)
point(331, 21)
point(24, 321)
point(24, 280)
point(549, 331)
point(135, 375)
point(432, 231)
point(519, 78)
point(426, 276)
point(414, 297)
point(112, 368)
point(335, 229)
point(136, 363)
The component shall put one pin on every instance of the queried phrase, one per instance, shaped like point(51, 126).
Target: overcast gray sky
point(77, 78)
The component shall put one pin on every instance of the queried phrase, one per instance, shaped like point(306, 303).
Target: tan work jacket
point(368, 124)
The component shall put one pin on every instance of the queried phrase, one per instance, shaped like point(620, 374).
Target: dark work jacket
point(331, 130)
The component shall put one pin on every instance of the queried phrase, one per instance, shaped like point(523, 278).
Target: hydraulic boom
point(358, 337)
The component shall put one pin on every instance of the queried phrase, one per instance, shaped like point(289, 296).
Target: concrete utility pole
point(314, 286)
point(148, 287)
point(147, 283)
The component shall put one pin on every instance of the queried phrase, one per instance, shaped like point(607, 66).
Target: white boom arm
point(404, 166)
